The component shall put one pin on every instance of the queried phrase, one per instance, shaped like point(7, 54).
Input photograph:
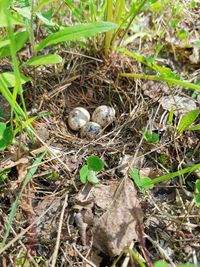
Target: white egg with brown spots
point(103, 115)
point(77, 118)
point(90, 130)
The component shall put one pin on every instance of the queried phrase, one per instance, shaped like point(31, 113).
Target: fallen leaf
point(116, 228)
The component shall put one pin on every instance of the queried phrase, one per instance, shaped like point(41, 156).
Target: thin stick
point(55, 253)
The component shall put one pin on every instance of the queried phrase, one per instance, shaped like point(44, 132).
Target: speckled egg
point(90, 130)
point(77, 118)
point(103, 115)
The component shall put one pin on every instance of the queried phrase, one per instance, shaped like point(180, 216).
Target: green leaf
point(45, 20)
point(83, 174)
point(144, 181)
point(160, 263)
point(76, 32)
point(187, 120)
point(197, 187)
point(169, 176)
point(187, 265)
point(171, 115)
point(194, 128)
point(24, 11)
point(140, 182)
point(168, 80)
point(10, 80)
point(197, 200)
point(151, 137)
point(6, 136)
point(92, 178)
point(41, 4)
point(43, 60)
point(20, 39)
point(134, 173)
point(14, 19)
point(95, 163)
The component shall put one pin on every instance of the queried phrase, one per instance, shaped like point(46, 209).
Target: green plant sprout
point(89, 171)
point(140, 182)
point(151, 137)
point(6, 135)
point(148, 183)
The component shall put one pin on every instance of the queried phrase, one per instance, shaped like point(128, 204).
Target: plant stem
point(109, 17)
point(18, 87)
point(163, 79)
point(131, 20)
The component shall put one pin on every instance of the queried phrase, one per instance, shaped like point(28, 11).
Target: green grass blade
point(16, 203)
point(41, 4)
point(169, 176)
point(187, 120)
point(162, 79)
point(9, 98)
point(43, 60)
point(75, 11)
point(76, 33)
point(13, 49)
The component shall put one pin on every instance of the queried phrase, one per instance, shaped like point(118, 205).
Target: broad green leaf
point(188, 264)
point(4, 43)
point(197, 186)
point(43, 60)
point(187, 120)
point(134, 173)
point(83, 174)
point(140, 182)
point(24, 11)
point(160, 263)
point(20, 40)
point(197, 200)
point(76, 32)
point(23, 3)
point(95, 163)
point(41, 4)
point(10, 80)
point(143, 182)
point(195, 128)
point(92, 178)
point(45, 20)
point(6, 136)
point(14, 19)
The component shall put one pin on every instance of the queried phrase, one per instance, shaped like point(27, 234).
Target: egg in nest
point(90, 130)
point(77, 118)
point(103, 115)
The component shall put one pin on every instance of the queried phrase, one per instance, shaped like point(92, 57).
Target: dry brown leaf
point(116, 228)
